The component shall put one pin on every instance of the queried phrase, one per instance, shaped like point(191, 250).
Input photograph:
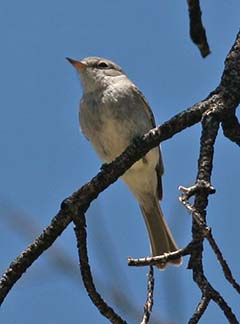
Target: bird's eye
point(102, 65)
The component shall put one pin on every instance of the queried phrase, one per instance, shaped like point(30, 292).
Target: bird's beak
point(77, 64)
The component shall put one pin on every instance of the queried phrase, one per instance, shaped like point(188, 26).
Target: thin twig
point(197, 31)
point(149, 302)
point(161, 259)
point(219, 300)
point(226, 270)
point(103, 307)
point(201, 307)
point(207, 232)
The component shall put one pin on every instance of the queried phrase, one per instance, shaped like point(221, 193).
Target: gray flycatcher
point(113, 112)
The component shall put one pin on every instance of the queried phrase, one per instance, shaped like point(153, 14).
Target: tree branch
point(161, 259)
point(149, 302)
point(202, 306)
point(103, 307)
point(231, 128)
point(225, 268)
point(210, 126)
point(197, 31)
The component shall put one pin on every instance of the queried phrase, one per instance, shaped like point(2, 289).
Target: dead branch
point(197, 31)
point(103, 307)
point(149, 302)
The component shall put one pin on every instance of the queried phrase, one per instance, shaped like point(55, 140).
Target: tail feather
point(160, 236)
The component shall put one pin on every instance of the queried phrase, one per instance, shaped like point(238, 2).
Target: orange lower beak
point(77, 64)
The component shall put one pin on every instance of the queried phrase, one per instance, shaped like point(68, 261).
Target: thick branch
point(210, 126)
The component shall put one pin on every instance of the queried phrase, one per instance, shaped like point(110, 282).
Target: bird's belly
point(114, 137)
point(110, 134)
point(111, 140)
point(111, 128)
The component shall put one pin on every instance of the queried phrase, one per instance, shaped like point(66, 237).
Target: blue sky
point(44, 157)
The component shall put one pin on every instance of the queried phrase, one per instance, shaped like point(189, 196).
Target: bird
point(113, 112)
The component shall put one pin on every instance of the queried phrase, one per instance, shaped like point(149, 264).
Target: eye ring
point(102, 65)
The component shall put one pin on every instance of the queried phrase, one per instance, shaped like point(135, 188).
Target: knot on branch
point(213, 112)
point(66, 204)
point(201, 186)
point(105, 167)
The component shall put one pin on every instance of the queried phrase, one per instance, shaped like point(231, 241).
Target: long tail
point(160, 236)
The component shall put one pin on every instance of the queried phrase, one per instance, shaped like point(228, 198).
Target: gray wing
point(159, 168)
